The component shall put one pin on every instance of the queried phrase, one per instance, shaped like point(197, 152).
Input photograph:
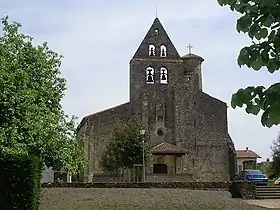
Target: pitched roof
point(156, 36)
point(166, 148)
point(246, 154)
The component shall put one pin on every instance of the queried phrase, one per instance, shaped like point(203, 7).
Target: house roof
point(246, 154)
point(166, 148)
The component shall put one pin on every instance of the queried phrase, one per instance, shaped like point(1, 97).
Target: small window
point(150, 75)
point(160, 118)
point(163, 76)
point(152, 50)
point(156, 31)
point(162, 51)
point(160, 168)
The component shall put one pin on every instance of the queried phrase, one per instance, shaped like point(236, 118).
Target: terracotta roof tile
point(167, 148)
point(246, 154)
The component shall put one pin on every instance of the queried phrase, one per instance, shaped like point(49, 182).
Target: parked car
point(277, 181)
point(255, 176)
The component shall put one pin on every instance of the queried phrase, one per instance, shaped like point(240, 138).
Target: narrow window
point(163, 76)
point(162, 51)
point(152, 50)
point(150, 75)
point(160, 118)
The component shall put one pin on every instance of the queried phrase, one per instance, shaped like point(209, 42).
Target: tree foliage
point(125, 146)
point(32, 121)
point(260, 20)
point(275, 165)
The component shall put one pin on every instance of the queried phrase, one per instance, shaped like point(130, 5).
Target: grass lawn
point(133, 198)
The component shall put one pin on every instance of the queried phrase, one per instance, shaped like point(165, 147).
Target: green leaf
point(223, 2)
point(234, 100)
point(263, 33)
point(255, 54)
point(257, 64)
point(264, 118)
point(265, 57)
point(240, 8)
point(272, 65)
point(254, 30)
point(243, 23)
point(270, 3)
point(244, 57)
point(253, 109)
point(268, 21)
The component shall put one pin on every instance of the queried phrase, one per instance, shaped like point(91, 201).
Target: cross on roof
point(190, 48)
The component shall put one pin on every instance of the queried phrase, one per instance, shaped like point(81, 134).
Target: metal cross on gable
point(190, 48)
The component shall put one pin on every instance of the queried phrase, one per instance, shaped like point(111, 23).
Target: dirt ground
point(133, 199)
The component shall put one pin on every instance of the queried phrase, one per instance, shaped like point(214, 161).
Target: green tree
point(32, 121)
point(275, 165)
point(260, 19)
point(125, 146)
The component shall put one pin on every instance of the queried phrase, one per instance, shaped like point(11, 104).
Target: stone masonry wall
point(95, 131)
point(212, 139)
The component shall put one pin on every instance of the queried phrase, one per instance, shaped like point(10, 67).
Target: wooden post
point(175, 168)
point(182, 165)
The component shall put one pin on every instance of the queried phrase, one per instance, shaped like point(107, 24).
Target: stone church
point(188, 128)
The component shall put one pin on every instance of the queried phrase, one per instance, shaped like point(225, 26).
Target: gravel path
point(269, 203)
point(132, 199)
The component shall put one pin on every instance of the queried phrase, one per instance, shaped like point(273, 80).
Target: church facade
point(188, 128)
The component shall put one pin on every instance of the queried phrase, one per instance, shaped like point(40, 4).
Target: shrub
point(187, 185)
point(20, 183)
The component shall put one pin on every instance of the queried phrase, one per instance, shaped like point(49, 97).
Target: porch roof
point(246, 154)
point(168, 149)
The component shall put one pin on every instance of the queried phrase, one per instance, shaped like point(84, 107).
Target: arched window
point(150, 75)
point(152, 50)
point(162, 51)
point(163, 75)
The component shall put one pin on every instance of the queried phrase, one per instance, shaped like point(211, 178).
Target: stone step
point(271, 192)
point(270, 187)
point(268, 194)
point(268, 197)
point(267, 190)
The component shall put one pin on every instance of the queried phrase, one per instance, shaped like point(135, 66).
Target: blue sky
point(98, 38)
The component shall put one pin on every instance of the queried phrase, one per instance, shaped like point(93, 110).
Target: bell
point(150, 78)
point(152, 52)
point(163, 77)
point(162, 53)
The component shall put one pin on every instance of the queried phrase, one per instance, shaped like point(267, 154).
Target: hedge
point(189, 185)
point(20, 182)
point(243, 189)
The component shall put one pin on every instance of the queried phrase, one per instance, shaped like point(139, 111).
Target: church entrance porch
point(167, 163)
